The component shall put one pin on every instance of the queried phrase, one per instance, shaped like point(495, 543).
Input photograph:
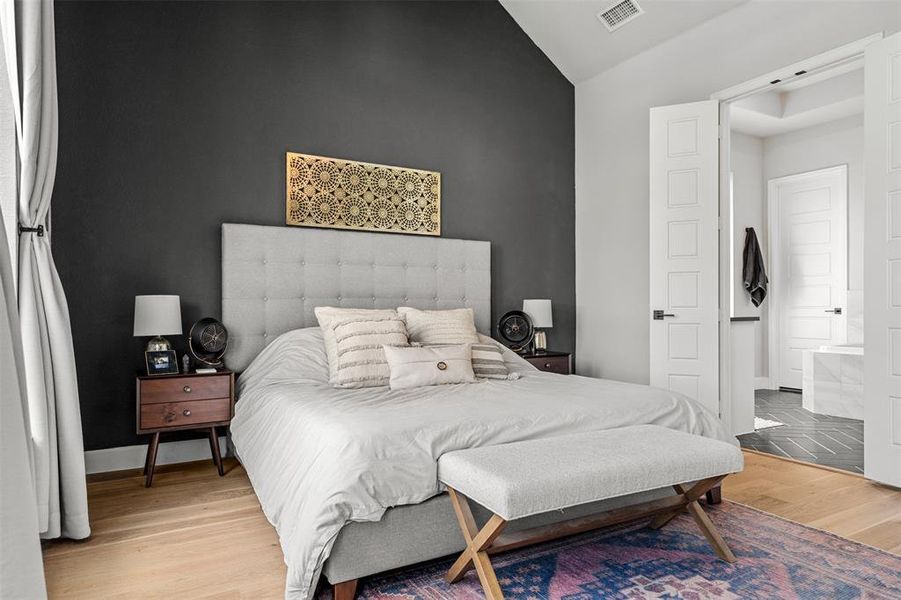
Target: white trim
point(774, 251)
point(763, 383)
point(132, 457)
point(725, 264)
point(809, 66)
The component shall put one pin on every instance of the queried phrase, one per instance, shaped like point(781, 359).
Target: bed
point(348, 477)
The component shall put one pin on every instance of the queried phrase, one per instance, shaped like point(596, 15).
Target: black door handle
point(659, 315)
point(837, 311)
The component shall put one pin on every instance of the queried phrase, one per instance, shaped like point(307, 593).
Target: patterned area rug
point(776, 559)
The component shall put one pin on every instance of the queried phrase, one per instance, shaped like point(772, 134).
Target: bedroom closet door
point(684, 250)
point(882, 262)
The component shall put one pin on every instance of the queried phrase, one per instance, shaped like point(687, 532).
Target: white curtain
point(50, 381)
point(21, 569)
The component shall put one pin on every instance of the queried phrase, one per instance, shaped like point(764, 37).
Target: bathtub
point(832, 381)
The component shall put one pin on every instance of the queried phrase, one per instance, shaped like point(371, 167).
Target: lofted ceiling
point(809, 101)
point(572, 37)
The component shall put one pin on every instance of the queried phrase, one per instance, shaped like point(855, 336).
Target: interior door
point(882, 262)
point(684, 250)
point(809, 233)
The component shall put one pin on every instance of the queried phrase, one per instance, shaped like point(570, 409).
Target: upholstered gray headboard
point(273, 278)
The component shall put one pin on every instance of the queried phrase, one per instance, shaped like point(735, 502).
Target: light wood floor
point(196, 535)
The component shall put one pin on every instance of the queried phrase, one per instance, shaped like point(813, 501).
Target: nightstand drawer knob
point(186, 412)
point(547, 365)
point(187, 389)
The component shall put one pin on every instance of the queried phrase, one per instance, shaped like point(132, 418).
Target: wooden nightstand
point(552, 362)
point(178, 402)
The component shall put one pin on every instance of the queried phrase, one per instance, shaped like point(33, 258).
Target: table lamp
point(157, 316)
point(539, 310)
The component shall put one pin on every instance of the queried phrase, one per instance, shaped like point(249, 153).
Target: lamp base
point(539, 343)
point(157, 344)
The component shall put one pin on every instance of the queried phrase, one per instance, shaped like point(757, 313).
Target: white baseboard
point(762, 383)
point(132, 457)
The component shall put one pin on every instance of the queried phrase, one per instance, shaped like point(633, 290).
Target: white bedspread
point(319, 457)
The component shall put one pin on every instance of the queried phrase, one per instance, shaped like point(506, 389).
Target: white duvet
point(319, 457)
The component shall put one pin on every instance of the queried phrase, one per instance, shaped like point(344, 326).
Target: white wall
point(748, 210)
point(612, 312)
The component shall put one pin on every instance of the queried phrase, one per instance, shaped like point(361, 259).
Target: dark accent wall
point(175, 117)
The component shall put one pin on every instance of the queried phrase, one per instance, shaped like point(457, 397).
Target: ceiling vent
point(619, 13)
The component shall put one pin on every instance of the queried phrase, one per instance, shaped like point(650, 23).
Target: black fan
point(207, 341)
point(515, 330)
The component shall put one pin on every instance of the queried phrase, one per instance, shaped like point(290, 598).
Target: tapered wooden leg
point(150, 463)
point(346, 590)
point(214, 449)
point(715, 495)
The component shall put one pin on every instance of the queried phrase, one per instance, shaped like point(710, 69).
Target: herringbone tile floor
point(820, 439)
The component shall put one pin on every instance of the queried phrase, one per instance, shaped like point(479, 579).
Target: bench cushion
point(526, 478)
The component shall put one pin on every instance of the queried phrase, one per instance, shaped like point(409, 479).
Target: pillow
point(488, 362)
point(328, 315)
point(440, 326)
point(429, 365)
point(359, 344)
point(515, 363)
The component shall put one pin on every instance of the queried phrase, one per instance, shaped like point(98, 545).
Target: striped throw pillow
point(329, 315)
point(454, 326)
point(488, 362)
point(359, 343)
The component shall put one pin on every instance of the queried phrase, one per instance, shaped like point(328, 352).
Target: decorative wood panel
point(343, 194)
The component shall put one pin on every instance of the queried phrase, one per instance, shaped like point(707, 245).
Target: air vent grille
point(620, 13)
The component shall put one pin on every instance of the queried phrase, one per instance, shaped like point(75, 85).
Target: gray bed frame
point(273, 278)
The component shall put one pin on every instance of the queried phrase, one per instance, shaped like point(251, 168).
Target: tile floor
point(820, 439)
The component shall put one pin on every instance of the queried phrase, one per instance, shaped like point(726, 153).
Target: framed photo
point(161, 362)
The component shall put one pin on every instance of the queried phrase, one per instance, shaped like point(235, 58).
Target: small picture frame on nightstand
point(161, 362)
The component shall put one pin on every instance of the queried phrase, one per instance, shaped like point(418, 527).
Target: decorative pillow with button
point(454, 326)
point(359, 344)
point(429, 365)
point(329, 315)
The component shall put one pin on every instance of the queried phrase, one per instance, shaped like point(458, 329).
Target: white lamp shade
point(539, 310)
point(157, 315)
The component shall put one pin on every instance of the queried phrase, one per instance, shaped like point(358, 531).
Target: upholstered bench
point(521, 479)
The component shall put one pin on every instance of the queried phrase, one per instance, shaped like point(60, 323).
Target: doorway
point(680, 180)
point(796, 154)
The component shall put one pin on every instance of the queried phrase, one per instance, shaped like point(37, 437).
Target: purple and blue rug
point(776, 559)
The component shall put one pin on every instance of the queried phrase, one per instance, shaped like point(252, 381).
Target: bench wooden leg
point(694, 509)
point(715, 495)
point(346, 590)
point(710, 532)
point(477, 543)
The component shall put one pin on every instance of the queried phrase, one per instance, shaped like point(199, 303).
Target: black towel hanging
point(753, 270)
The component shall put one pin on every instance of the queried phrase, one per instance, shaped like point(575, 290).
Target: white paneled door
point(684, 251)
point(808, 218)
point(882, 270)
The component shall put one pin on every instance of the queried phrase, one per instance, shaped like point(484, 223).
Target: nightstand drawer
point(551, 364)
point(180, 414)
point(202, 387)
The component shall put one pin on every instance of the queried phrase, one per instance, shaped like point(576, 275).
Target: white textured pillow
point(454, 326)
point(429, 365)
point(329, 315)
point(360, 344)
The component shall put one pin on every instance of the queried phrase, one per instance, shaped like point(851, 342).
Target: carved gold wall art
point(343, 194)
